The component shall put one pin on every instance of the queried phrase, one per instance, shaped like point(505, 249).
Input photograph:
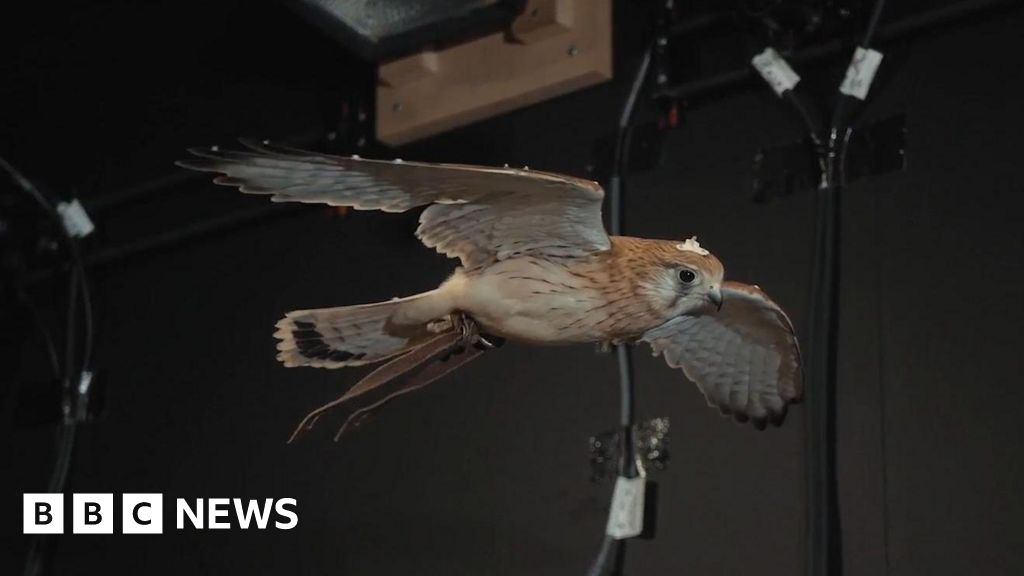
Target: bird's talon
point(488, 342)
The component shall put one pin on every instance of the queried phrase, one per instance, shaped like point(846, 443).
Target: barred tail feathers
point(357, 335)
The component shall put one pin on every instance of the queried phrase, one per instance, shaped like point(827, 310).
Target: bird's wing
point(744, 358)
point(475, 213)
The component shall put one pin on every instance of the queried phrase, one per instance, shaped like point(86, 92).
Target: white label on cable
point(76, 220)
point(626, 518)
point(861, 72)
point(775, 70)
point(84, 381)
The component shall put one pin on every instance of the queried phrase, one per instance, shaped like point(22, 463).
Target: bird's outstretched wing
point(744, 358)
point(475, 213)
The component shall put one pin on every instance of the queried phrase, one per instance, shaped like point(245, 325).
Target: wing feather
point(478, 214)
point(745, 358)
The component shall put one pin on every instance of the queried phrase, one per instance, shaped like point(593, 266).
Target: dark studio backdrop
point(486, 472)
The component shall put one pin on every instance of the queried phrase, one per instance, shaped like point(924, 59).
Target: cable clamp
point(775, 70)
point(861, 72)
point(76, 220)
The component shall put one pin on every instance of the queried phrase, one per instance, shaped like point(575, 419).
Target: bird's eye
point(687, 276)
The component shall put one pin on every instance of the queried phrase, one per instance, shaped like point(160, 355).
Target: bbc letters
point(144, 514)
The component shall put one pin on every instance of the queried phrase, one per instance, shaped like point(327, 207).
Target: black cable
point(869, 30)
point(74, 254)
point(88, 328)
point(823, 542)
point(609, 559)
point(906, 27)
point(627, 464)
point(822, 513)
point(840, 132)
point(623, 135)
point(824, 546)
point(26, 185)
point(74, 368)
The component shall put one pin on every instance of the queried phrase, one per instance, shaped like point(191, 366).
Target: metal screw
point(396, 107)
point(573, 50)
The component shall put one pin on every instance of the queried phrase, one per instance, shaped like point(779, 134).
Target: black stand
point(611, 556)
point(823, 548)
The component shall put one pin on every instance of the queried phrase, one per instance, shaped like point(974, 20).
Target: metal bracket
point(874, 148)
point(650, 440)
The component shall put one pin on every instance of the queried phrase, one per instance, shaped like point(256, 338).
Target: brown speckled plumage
point(537, 267)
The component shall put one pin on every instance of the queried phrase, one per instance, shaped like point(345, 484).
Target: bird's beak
point(715, 296)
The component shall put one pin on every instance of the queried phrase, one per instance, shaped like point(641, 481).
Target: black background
point(486, 471)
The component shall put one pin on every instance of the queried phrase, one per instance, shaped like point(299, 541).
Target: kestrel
point(537, 267)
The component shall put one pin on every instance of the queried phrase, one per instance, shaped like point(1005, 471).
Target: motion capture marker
point(526, 167)
point(356, 157)
point(506, 164)
point(397, 161)
point(215, 148)
point(691, 245)
point(266, 142)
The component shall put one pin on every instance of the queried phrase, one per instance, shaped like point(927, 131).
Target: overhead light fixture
point(378, 30)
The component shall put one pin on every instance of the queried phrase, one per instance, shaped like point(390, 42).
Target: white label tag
point(860, 72)
point(76, 220)
point(775, 70)
point(626, 518)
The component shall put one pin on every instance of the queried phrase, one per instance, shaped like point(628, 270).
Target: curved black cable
point(74, 368)
point(609, 558)
point(77, 266)
point(627, 465)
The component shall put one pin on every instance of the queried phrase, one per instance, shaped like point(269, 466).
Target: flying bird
point(537, 267)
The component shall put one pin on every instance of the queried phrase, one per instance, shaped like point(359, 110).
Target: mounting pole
point(610, 557)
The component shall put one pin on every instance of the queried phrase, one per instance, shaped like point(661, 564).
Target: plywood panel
point(555, 47)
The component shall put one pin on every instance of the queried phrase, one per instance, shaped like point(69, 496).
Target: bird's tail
point(355, 335)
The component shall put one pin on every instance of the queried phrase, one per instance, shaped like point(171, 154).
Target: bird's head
point(683, 278)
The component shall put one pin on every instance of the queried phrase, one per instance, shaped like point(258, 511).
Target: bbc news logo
point(143, 513)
